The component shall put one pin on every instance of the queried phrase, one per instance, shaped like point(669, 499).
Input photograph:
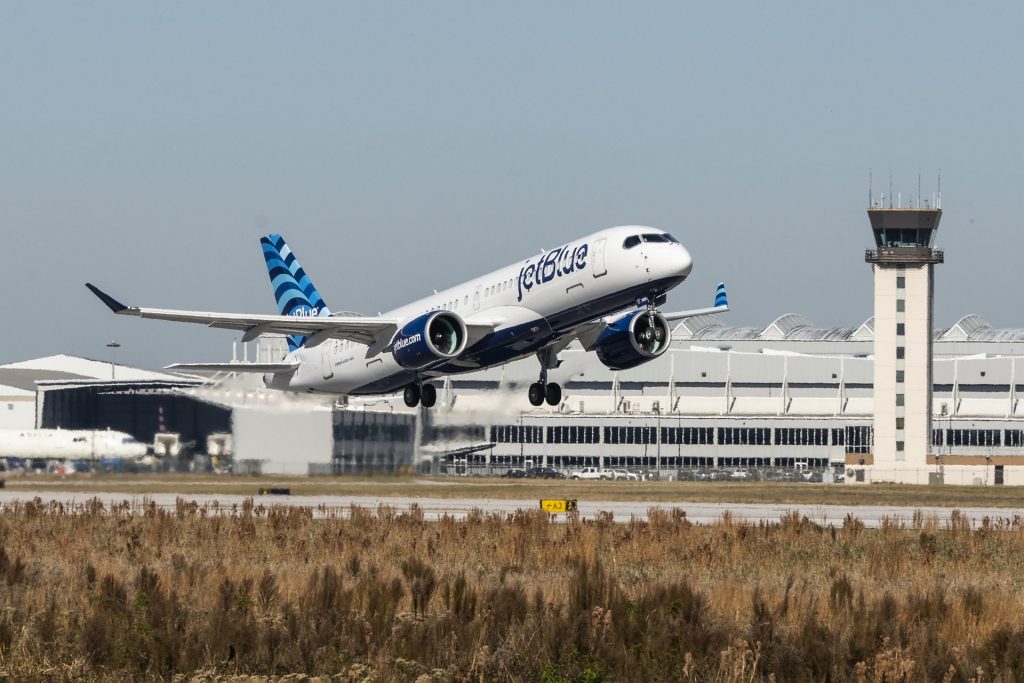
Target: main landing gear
point(543, 391)
point(414, 394)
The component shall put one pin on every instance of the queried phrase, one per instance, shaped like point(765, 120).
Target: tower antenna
point(871, 197)
point(890, 188)
point(919, 188)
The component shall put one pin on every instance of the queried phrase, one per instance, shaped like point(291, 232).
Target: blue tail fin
point(293, 290)
point(720, 297)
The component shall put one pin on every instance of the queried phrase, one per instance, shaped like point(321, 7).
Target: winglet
point(721, 299)
point(112, 303)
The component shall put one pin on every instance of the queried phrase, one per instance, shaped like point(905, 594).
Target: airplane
point(603, 290)
point(81, 444)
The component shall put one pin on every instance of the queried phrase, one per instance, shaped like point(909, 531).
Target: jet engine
point(633, 339)
point(431, 337)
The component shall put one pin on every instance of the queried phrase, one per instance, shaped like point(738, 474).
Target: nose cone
point(682, 262)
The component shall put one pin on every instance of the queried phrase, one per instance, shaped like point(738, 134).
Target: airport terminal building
point(786, 395)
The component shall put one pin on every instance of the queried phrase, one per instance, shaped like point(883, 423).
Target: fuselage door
point(599, 267)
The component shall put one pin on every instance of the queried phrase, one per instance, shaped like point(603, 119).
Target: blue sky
point(402, 147)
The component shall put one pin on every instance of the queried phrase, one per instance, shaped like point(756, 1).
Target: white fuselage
point(68, 444)
point(535, 300)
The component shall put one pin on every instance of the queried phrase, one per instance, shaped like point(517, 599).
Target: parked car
point(625, 475)
point(515, 474)
point(544, 473)
point(592, 473)
point(739, 474)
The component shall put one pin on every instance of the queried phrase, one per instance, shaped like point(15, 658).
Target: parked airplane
point(77, 444)
point(603, 290)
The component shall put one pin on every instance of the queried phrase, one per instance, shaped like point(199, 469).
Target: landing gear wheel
point(428, 395)
point(536, 394)
point(553, 394)
point(411, 395)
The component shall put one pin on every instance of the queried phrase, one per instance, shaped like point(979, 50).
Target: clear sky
point(402, 147)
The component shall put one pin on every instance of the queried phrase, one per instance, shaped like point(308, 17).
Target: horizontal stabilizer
point(261, 368)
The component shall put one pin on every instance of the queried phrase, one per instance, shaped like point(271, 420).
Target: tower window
point(901, 282)
point(900, 352)
point(899, 423)
point(899, 399)
point(901, 329)
point(901, 305)
point(899, 377)
point(899, 446)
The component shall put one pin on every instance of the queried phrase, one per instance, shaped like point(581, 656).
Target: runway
point(435, 508)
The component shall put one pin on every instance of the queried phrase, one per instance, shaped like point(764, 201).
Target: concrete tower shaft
point(903, 262)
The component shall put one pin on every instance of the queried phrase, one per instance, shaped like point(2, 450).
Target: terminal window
point(858, 439)
point(516, 434)
point(454, 433)
point(628, 435)
point(744, 436)
point(801, 436)
point(699, 436)
point(973, 437)
point(574, 434)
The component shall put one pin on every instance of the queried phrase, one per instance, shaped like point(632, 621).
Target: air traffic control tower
point(903, 260)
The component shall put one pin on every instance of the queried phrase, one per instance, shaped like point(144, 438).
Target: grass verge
point(142, 593)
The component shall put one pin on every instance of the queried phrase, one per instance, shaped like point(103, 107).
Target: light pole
point(113, 346)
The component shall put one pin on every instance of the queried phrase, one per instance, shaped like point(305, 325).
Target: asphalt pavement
point(435, 508)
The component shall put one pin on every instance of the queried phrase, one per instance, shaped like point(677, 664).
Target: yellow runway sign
point(549, 505)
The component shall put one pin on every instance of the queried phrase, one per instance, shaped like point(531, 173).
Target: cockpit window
point(671, 238)
point(655, 237)
point(631, 242)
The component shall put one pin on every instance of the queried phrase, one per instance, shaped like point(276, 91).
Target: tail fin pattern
point(721, 299)
point(293, 290)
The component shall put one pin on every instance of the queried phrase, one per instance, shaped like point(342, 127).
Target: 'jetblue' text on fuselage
point(553, 264)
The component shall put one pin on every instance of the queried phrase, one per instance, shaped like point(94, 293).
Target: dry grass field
point(533, 489)
point(381, 595)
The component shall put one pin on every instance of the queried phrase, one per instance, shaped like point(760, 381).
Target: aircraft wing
point(261, 368)
point(368, 330)
point(721, 306)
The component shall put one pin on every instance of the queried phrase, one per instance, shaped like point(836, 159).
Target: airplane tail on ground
point(293, 290)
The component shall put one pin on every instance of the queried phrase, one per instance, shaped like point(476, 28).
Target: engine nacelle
point(429, 338)
point(633, 339)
